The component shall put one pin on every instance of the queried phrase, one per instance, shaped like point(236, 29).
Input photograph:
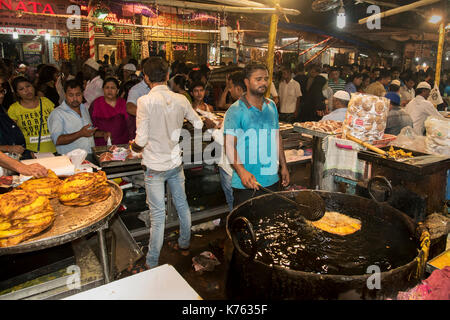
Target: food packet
point(366, 117)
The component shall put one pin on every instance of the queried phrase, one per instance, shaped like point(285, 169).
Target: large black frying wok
point(250, 278)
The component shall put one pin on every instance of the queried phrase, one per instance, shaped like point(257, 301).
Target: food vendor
point(35, 169)
point(198, 94)
point(340, 103)
point(251, 132)
point(420, 108)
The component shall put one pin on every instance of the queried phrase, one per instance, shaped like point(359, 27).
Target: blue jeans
point(155, 188)
point(225, 181)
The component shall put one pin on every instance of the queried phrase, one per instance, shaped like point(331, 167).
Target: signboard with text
point(12, 14)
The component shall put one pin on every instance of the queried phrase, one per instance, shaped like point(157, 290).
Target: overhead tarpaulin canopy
point(340, 36)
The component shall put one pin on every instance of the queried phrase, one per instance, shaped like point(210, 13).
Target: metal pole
point(398, 10)
point(103, 254)
point(91, 31)
point(271, 47)
point(437, 78)
point(317, 44)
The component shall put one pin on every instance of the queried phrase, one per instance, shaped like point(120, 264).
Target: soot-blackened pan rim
point(409, 222)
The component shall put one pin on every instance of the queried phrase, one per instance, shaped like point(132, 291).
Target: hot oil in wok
point(285, 240)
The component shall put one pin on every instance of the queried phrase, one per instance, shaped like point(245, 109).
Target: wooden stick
point(367, 145)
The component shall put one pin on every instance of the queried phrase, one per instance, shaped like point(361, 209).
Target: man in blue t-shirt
point(253, 144)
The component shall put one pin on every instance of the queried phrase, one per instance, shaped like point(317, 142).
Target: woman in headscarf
point(313, 105)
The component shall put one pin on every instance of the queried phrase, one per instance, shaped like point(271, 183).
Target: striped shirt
point(336, 86)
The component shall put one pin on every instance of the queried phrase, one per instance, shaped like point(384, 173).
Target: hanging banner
point(169, 26)
point(10, 14)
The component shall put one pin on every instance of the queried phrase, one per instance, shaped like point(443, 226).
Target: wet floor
point(210, 285)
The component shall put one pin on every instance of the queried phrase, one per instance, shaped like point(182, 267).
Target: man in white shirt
point(159, 120)
point(290, 94)
point(94, 85)
point(407, 92)
point(420, 108)
point(137, 91)
point(340, 103)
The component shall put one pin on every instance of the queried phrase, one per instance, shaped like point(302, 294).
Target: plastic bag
point(438, 136)
point(366, 117)
point(77, 156)
point(408, 139)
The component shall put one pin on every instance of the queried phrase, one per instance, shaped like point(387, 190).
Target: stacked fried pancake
point(23, 214)
point(47, 186)
point(84, 188)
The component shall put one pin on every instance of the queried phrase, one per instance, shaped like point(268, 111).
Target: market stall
point(43, 213)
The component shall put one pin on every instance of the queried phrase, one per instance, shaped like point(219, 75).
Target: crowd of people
point(54, 110)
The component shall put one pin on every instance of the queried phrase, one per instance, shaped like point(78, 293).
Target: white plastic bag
point(77, 156)
point(438, 136)
point(408, 139)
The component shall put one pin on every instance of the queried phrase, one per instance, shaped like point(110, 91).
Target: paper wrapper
point(366, 117)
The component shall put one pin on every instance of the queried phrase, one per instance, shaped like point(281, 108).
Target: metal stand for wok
point(318, 155)
point(99, 225)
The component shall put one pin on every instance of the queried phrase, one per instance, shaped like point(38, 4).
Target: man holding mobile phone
point(70, 124)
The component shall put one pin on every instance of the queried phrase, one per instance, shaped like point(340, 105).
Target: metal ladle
point(309, 204)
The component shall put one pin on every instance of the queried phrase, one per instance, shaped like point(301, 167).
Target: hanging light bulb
point(435, 18)
point(15, 34)
point(47, 35)
point(341, 17)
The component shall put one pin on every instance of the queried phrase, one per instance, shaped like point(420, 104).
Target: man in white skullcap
point(419, 108)
point(340, 103)
point(94, 85)
point(128, 70)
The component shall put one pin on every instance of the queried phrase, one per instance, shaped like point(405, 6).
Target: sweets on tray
point(326, 126)
point(23, 214)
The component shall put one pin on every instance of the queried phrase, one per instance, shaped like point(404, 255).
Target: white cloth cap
point(424, 85)
point(93, 64)
point(396, 82)
point(22, 65)
point(129, 67)
point(343, 95)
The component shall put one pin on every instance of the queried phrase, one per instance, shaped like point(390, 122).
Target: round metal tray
point(71, 223)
